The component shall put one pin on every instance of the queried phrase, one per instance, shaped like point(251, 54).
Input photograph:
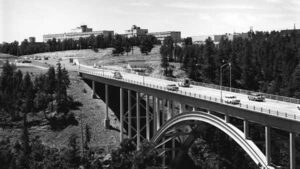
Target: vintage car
point(172, 87)
point(231, 99)
point(117, 75)
point(256, 97)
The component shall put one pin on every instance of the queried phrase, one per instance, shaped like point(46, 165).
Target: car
point(256, 97)
point(184, 83)
point(231, 99)
point(172, 87)
point(26, 61)
point(298, 107)
point(117, 75)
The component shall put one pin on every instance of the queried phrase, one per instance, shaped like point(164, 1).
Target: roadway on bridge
point(273, 105)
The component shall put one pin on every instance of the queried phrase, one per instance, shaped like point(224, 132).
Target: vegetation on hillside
point(119, 43)
point(266, 62)
point(19, 95)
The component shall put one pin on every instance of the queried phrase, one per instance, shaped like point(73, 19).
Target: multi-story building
point(201, 39)
point(175, 35)
point(81, 32)
point(135, 31)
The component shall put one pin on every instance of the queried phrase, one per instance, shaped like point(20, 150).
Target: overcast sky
point(20, 19)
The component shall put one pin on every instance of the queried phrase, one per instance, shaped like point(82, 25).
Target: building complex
point(84, 32)
point(136, 31)
point(81, 32)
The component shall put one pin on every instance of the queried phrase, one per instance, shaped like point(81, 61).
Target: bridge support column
point(182, 108)
point(129, 114)
point(227, 118)
point(172, 109)
point(173, 147)
point(169, 111)
point(268, 144)
point(154, 115)
point(246, 129)
point(147, 118)
point(163, 110)
point(93, 87)
point(138, 121)
point(157, 113)
point(121, 114)
point(106, 122)
point(292, 151)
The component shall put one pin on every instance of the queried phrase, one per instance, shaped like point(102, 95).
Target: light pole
point(229, 64)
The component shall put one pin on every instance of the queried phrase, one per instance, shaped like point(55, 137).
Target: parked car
point(26, 61)
point(185, 83)
point(172, 87)
point(256, 97)
point(117, 75)
point(231, 99)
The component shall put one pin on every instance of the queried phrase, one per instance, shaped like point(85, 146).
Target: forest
point(119, 43)
point(265, 62)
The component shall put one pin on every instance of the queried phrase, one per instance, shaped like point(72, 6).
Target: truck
point(185, 83)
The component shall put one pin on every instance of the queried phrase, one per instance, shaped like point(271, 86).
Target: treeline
point(120, 43)
point(26, 153)
point(266, 62)
point(20, 95)
point(145, 43)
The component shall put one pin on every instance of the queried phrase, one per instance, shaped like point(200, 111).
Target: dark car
point(256, 97)
point(185, 83)
point(117, 75)
point(172, 87)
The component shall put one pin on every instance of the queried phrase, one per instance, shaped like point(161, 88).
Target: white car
point(256, 97)
point(231, 99)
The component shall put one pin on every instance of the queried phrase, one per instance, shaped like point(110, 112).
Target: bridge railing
point(213, 86)
point(204, 97)
point(235, 90)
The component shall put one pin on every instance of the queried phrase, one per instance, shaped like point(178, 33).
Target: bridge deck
point(273, 108)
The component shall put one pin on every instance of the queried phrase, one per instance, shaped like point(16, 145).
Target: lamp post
point(229, 64)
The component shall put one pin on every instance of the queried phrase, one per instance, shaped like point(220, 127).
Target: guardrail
point(213, 86)
point(204, 97)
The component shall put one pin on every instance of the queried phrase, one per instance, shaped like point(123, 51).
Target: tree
point(127, 46)
point(24, 156)
point(188, 41)
point(71, 155)
point(62, 83)
point(166, 51)
point(28, 95)
point(118, 45)
point(146, 45)
point(146, 157)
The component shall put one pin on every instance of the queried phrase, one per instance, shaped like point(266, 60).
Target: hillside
point(104, 57)
point(91, 112)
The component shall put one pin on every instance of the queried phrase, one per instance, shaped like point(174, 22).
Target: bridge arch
point(238, 136)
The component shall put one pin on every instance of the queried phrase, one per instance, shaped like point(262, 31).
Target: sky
point(20, 19)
